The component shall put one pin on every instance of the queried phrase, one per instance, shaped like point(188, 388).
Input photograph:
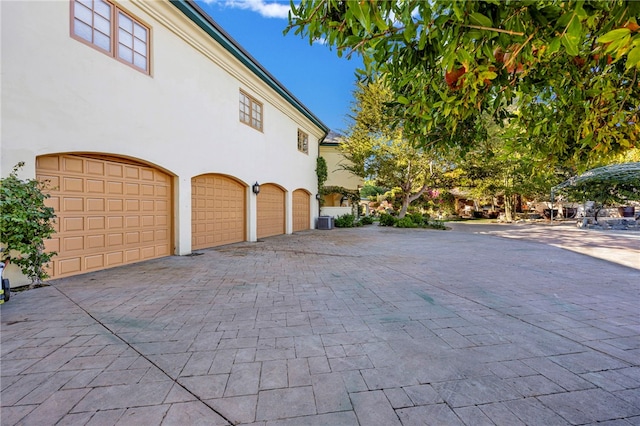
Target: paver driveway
point(368, 326)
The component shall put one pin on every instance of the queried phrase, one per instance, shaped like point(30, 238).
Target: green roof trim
point(208, 25)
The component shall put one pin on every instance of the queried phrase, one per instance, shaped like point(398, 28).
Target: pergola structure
point(627, 174)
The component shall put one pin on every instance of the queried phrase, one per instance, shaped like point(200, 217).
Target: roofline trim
point(209, 26)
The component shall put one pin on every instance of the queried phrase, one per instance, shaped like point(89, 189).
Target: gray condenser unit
point(325, 222)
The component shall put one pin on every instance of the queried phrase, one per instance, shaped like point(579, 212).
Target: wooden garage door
point(109, 213)
point(218, 213)
point(271, 217)
point(301, 210)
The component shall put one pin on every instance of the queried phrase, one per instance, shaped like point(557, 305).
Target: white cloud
point(268, 9)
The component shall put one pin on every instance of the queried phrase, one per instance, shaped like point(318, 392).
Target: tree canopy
point(386, 155)
point(503, 166)
point(571, 67)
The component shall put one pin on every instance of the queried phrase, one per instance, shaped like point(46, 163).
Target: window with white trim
point(111, 30)
point(303, 142)
point(250, 111)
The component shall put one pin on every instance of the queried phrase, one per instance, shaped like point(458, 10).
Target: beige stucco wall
point(60, 95)
point(337, 176)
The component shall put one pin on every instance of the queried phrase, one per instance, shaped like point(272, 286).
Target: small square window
point(303, 142)
point(250, 111)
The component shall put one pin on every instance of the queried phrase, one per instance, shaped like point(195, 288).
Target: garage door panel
point(148, 252)
point(96, 204)
point(52, 244)
point(132, 189)
point(96, 242)
point(146, 174)
point(72, 164)
point(115, 170)
point(115, 205)
point(131, 238)
point(95, 186)
point(301, 210)
point(94, 262)
point(95, 167)
point(90, 203)
point(73, 204)
point(132, 255)
point(115, 222)
point(70, 265)
point(218, 204)
point(71, 224)
point(49, 163)
point(131, 172)
point(147, 221)
point(51, 180)
point(132, 222)
point(115, 240)
point(114, 258)
point(271, 211)
point(116, 188)
point(73, 243)
point(162, 206)
point(132, 205)
point(72, 184)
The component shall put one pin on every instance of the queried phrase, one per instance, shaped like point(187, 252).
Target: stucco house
point(334, 202)
point(153, 126)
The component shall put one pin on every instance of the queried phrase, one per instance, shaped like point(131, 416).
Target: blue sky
point(312, 73)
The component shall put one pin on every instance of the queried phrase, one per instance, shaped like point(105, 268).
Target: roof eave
point(208, 25)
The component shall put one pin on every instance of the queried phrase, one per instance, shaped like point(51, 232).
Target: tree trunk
point(405, 206)
point(408, 198)
point(508, 208)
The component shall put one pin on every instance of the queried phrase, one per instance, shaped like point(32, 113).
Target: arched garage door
point(271, 215)
point(110, 212)
point(301, 210)
point(218, 213)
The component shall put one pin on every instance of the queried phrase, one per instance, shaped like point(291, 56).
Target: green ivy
point(353, 195)
point(25, 223)
point(321, 172)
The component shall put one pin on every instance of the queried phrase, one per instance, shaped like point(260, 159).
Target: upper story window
point(303, 142)
point(111, 30)
point(250, 111)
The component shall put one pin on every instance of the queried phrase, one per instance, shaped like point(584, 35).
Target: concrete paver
point(483, 324)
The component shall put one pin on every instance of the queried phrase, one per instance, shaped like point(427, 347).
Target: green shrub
point(437, 224)
point(406, 222)
point(416, 218)
point(387, 220)
point(25, 223)
point(345, 221)
point(366, 220)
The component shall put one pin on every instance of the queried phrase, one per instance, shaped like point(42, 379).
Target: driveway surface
point(479, 325)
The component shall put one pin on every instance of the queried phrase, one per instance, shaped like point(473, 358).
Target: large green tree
point(502, 166)
point(571, 66)
point(385, 154)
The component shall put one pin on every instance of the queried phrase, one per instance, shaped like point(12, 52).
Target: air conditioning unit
point(325, 222)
